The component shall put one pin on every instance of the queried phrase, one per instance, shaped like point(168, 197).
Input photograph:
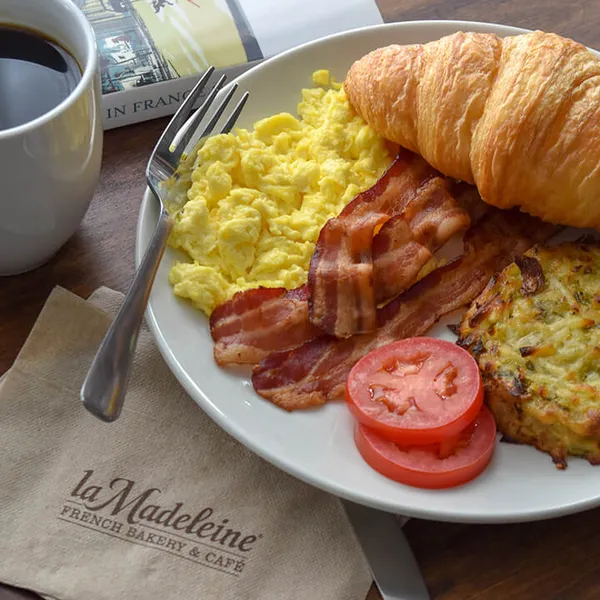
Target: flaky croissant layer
point(519, 116)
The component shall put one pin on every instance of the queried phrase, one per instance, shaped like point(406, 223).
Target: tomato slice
point(415, 391)
point(432, 466)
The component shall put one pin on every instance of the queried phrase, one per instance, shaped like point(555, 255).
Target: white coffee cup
point(49, 167)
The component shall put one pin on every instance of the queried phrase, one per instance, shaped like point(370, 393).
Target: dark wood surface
point(558, 559)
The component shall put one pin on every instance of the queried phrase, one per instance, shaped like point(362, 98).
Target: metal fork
point(103, 390)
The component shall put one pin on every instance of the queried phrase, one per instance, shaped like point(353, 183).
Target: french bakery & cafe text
point(123, 509)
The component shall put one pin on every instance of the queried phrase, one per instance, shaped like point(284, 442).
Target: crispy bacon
point(342, 299)
point(256, 322)
point(316, 371)
point(407, 241)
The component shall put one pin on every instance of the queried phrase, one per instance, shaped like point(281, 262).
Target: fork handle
point(103, 390)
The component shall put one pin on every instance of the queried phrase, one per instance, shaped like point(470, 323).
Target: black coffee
point(36, 74)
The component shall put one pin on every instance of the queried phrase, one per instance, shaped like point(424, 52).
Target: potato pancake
point(535, 332)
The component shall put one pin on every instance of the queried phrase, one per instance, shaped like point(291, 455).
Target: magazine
point(153, 51)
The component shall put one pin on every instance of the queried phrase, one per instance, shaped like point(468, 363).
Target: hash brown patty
point(535, 332)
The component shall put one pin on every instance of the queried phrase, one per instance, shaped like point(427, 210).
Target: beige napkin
point(159, 504)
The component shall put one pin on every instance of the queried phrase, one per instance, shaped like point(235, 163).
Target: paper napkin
point(159, 504)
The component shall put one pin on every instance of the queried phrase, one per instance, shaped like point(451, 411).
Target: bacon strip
point(316, 371)
point(256, 322)
point(342, 299)
point(407, 241)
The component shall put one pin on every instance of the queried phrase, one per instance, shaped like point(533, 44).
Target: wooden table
point(558, 559)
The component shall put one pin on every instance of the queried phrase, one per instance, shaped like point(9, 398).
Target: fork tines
point(193, 121)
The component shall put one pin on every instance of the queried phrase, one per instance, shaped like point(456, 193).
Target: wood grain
point(550, 560)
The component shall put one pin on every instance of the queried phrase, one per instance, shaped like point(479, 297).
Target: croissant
point(519, 116)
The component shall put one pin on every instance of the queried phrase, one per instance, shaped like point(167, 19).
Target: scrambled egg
point(257, 200)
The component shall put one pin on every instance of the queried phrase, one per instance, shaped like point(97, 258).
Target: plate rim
point(148, 206)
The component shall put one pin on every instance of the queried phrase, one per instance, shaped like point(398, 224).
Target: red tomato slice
point(432, 466)
point(415, 391)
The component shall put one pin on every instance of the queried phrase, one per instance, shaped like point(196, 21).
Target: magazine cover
point(152, 51)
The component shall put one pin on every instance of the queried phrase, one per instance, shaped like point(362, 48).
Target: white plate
point(521, 483)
